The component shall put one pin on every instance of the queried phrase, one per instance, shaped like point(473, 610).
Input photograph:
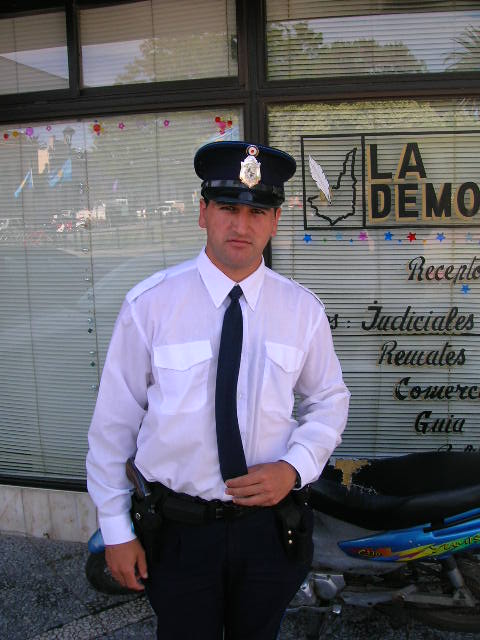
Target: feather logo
point(320, 178)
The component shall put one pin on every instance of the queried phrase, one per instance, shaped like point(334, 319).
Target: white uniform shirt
point(157, 394)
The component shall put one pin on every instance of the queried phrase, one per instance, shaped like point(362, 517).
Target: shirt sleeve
point(119, 411)
point(323, 408)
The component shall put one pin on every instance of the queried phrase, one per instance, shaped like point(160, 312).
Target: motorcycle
point(401, 534)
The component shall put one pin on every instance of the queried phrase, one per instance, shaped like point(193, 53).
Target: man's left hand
point(264, 485)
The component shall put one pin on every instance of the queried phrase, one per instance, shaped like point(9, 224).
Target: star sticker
point(465, 289)
point(307, 238)
point(339, 236)
point(363, 235)
point(412, 236)
point(399, 241)
point(468, 237)
point(388, 235)
point(324, 240)
point(351, 241)
point(440, 237)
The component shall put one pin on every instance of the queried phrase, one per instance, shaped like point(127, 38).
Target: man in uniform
point(198, 386)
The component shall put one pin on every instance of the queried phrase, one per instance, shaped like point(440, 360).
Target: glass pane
point(158, 40)
point(311, 38)
point(87, 209)
point(144, 195)
point(33, 53)
point(401, 289)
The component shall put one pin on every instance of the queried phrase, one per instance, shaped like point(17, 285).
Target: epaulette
point(145, 285)
point(308, 291)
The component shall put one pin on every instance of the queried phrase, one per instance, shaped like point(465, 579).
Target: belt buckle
point(228, 510)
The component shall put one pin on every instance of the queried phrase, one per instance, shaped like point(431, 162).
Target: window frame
point(250, 91)
point(142, 97)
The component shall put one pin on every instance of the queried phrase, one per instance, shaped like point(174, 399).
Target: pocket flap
point(182, 356)
point(288, 358)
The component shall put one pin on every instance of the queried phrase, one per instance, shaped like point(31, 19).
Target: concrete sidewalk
point(44, 595)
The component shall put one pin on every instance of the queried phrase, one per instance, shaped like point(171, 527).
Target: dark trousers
point(224, 576)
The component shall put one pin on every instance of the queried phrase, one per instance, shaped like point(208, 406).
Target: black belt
point(181, 507)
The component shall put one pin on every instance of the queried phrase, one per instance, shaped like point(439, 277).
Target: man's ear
point(276, 215)
point(202, 223)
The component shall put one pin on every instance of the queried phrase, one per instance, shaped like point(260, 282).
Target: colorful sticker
point(97, 128)
point(223, 125)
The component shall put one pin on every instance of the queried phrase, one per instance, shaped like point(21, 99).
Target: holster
point(147, 523)
point(295, 532)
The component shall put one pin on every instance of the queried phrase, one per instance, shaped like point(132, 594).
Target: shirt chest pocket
point(182, 374)
point(282, 368)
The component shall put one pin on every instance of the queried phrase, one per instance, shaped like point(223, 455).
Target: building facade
point(102, 107)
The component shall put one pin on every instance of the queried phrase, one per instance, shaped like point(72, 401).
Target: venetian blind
point(311, 38)
point(402, 289)
point(158, 40)
point(88, 208)
point(33, 53)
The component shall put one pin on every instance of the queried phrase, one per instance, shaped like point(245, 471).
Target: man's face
point(237, 235)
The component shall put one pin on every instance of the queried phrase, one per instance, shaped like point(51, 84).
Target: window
point(158, 40)
point(89, 207)
point(96, 193)
point(401, 286)
point(33, 53)
point(308, 38)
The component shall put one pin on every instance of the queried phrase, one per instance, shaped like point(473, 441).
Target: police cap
point(243, 173)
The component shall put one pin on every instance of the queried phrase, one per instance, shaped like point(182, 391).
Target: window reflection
point(87, 209)
point(373, 43)
point(33, 53)
point(158, 40)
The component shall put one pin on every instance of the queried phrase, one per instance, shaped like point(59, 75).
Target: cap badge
point(250, 168)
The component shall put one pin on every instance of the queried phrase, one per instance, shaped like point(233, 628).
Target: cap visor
point(237, 201)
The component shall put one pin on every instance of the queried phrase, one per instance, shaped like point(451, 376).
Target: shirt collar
point(219, 285)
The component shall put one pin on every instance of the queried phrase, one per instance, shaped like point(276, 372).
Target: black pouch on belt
point(294, 530)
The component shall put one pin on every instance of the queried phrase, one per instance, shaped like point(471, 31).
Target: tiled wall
point(59, 515)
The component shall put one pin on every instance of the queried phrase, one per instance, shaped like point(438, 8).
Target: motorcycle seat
point(401, 492)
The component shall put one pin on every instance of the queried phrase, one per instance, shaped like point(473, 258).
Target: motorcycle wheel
point(100, 577)
point(465, 619)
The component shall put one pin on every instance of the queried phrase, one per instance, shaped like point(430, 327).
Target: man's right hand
point(127, 563)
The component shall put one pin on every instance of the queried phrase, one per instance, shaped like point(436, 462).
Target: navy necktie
point(230, 448)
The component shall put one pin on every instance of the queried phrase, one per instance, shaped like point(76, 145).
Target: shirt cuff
point(116, 529)
point(301, 460)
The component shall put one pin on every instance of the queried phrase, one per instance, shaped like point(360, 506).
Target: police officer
point(198, 385)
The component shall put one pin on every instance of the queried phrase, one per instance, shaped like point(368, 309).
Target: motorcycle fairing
point(457, 533)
